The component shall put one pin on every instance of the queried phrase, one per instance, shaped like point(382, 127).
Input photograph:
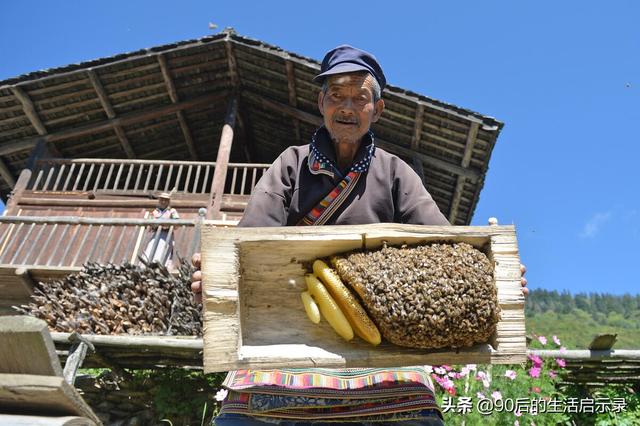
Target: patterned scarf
point(319, 163)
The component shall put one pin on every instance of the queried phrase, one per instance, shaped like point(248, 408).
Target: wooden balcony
point(126, 188)
point(66, 212)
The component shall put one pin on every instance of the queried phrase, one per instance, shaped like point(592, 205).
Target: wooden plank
point(29, 109)
point(123, 120)
point(253, 277)
point(20, 335)
point(222, 161)
point(46, 395)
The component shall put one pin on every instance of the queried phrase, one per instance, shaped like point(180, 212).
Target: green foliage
point(550, 312)
point(181, 394)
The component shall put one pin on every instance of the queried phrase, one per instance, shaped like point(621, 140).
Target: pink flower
point(516, 423)
point(517, 413)
point(534, 372)
point(536, 360)
point(542, 340)
point(447, 367)
point(496, 395)
point(510, 374)
point(552, 374)
point(536, 389)
point(480, 395)
point(563, 350)
point(471, 367)
point(561, 362)
point(440, 370)
point(556, 340)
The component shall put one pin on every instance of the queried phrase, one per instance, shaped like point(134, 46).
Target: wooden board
point(42, 395)
point(254, 318)
point(26, 347)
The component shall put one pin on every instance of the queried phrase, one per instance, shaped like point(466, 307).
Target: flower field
point(529, 394)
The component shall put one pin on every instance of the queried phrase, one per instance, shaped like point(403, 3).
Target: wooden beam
point(102, 95)
point(222, 160)
point(122, 120)
point(173, 95)
point(111, 114)
point(29, 109)
point(124, 141)
point(393, 148)
point(466, 159)
point(233, 64)
point(417, 127)
point(293, 97)
point(168, 81)
point(188, 138)
point(6, 174)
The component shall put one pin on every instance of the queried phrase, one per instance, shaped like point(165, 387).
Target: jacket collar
point(322, 155)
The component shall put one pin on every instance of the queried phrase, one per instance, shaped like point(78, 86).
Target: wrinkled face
point(348, 107)
point(163, 203)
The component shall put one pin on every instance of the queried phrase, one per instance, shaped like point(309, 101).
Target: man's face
point(348, 107)
point(163, 203)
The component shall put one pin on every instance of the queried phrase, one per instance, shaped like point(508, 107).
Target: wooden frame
point(253, 316)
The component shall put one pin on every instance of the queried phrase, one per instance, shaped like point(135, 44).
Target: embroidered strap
point(320, 164)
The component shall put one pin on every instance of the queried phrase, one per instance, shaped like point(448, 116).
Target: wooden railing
point(139, 177)
point(72, 241)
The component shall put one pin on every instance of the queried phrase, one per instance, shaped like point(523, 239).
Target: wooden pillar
point(18, 189)
point(222, 160)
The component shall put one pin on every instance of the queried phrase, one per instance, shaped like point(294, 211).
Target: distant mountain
point(576, 319)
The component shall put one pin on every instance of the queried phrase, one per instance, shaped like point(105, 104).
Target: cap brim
point(340, 69)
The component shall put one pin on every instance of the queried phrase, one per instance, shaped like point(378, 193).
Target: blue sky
point(563, 76)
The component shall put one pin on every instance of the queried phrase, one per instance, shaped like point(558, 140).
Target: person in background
point(160, 246)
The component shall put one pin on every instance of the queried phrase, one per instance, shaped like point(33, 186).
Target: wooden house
point(85, 148)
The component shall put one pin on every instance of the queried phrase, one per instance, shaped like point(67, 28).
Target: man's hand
point(196, 279)
point(523, 280)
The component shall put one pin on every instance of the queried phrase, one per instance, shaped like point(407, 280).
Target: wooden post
point(18, 190)
point(222, 160)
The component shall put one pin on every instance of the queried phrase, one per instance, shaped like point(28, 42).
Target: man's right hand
point(196, 279)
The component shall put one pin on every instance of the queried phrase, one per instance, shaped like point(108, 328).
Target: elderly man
point(340, 178)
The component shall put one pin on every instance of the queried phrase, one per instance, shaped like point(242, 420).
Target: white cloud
point(593, 225)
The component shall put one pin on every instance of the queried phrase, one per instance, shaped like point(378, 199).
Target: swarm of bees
point(429, 296)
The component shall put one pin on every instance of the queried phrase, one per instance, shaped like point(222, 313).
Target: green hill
point(576, 319)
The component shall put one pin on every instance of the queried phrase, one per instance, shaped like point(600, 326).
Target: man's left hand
point(523, 280)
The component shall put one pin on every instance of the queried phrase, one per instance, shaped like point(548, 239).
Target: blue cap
point(345, 58)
